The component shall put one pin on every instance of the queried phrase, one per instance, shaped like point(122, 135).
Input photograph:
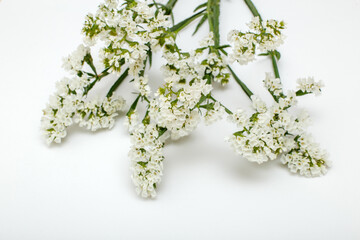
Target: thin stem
point(90, 86)
point(253, 9)
point(226, 109)
point(97, 79)
point(169, 6)
point(213, 12)
point(242, 85)
point(275, 66)
point(118, 82)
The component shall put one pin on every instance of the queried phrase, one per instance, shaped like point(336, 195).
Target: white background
point(81, 189)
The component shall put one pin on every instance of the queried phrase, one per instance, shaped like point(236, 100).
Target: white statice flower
point(264, 36)
point(188, 78)
point(208, 40)
point(112, 4)
point(69, 106)
point(243, 47)
point(272, 38)
point(128, 32)
point(146, 156)
point(255, 24)
point(214, 114)
point(240, 118)
point(307, 158)
point(141, 85)
point(179, 120)
point(288, 100)
point(62, 106)
point(258, 104)
point(58, 115)
point(97, 113)
point(191, 94)
point(74, 85)
point(192, 120)
point(74, 62)
point(262, 137)
point(272, 132)
point(303, 119)
point(215, 65)
point(266, 133)
point(273, 84)
point(171, 78)
point(131, 121)
point(308, 85)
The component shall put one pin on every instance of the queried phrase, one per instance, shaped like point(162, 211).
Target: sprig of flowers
point(127, 33)
point(263, 36)
point(272, 132)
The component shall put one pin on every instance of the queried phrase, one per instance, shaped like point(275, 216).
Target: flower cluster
point(262, 136)
point(187, 89)
point(75, 61)
point(308, 85)
point(306, 157)
point(141, 85)
point(146, 158)
point(271, 132)
point(62, 111)
point(129, 31)
point(263, 35)
point(97, 113)
point(69, 103)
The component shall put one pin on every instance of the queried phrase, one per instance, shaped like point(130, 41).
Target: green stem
point(117, 83)
point(90, 86)
point(253, 9)
point(274, 63)
point(213, 12)
point(169, 6)
point(97, 79)
point(242, 85)
point(226, 109)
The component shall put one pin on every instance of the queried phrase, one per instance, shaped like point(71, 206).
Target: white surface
point(81, 189)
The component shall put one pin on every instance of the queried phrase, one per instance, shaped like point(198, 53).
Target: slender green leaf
point(223, 46)
point(301, 93)
point(133, 106)
point(143, 164)
point(176, 28)
point(150, 56)
point(264, 54)
point(202, 20)
point(118, 82)
point(239, 134)
point(90, 86)
point(200, 6)
point(242, 85)
point(161, 131)
point(277, 54)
